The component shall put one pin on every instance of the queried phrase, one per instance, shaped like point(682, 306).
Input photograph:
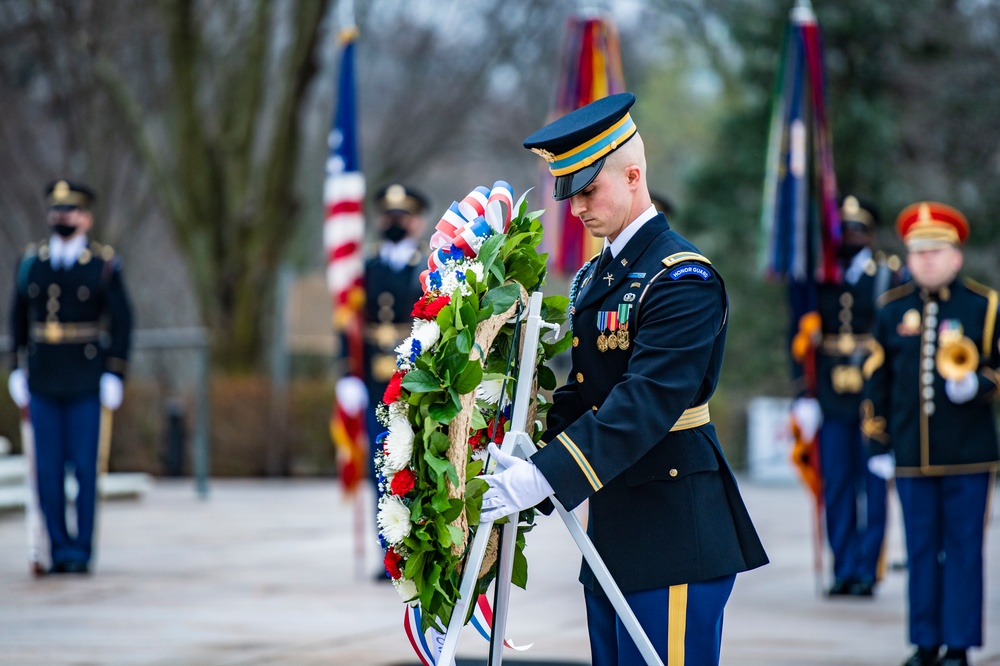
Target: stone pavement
point(265, 572)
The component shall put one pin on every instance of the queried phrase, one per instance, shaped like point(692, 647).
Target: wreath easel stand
point(517, 442)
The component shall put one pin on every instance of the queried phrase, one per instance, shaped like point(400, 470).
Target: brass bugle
point(957, 357)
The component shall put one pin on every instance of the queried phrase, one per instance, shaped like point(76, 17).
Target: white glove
point(17, 384)
point(352, 396)
point(962, 390)
point(808, 416)
point(112, 391)
point(883, 465)
point(519, 486)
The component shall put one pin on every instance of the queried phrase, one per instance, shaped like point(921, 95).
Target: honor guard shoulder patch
point(689, 271)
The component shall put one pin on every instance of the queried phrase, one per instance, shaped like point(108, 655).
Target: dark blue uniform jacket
point(74, 324)
point(906, 409)
point(664, 506)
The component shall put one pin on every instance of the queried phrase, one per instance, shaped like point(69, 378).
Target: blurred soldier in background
point(928, 413)
point(662, 204)
point(392, 286)
point(829, 404)
point(72, 320)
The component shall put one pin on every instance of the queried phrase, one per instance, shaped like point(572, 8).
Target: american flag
point(343, 236)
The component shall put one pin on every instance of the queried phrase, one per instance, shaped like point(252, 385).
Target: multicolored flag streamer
point(343, 237)
point(590, 68)
point(800, 223)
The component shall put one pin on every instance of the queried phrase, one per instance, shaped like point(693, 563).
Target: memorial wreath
point(451, 395)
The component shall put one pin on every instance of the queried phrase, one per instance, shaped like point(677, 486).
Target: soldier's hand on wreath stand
point(519, 486)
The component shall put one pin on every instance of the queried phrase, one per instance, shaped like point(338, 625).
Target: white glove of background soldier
point(962, 390)
point(17, 384)
point(883, 466)
point(352, 394)
point(808, 416)
point(112, 391)
point(519, 486)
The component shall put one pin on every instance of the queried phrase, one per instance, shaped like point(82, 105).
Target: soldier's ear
point(633, 175)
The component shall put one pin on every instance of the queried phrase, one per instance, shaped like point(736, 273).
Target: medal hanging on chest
point(613, 328)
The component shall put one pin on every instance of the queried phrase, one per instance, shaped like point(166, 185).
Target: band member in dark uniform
point(631, 430)
point(928, 413)
point(72, 321)
point(854, 499)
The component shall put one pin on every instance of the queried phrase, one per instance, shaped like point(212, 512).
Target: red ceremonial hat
point(929, 224)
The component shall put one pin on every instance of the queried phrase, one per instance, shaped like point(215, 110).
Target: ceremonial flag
point(343, 237)
point(590, 68)
point(800, 223)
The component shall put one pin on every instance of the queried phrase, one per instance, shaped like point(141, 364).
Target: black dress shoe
point(841, 587)
point(71, 567)
point(954, 657)
point(862, 588)
point(924, 656)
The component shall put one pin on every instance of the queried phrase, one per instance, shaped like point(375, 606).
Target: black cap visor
point(570, 184)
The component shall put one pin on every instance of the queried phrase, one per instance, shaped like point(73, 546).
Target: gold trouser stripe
point(692, 418)
point(581, 460)
point(676, 624)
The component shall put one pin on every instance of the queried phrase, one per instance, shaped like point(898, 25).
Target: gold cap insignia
point(544, 154)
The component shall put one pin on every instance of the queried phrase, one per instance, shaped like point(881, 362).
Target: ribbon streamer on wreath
point(429, 650)
point(467, 223)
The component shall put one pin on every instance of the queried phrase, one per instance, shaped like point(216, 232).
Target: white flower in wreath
point(398, 444)
point(427, 332)
point(403, 352)
point(453, 278)
point(407, 590)
point(477, 268)
point(490, 390)
point(393, 519)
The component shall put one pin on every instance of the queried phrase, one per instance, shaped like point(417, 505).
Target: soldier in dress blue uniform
point(631, 429)
point(854, 499)
point(392, 286)
point(931, 381)
point(72, 320)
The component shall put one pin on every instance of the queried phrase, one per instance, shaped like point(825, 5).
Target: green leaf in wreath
point(420, 381)
point(443, 412)
point(463, 343)
point(469, 379)
point(546, 378)
point(519, 575)
point(490, 250)
point(437, 442)
point(478, 420)
point(441, 467)
point(454, 509)
point(501, 298)
point(468, 314)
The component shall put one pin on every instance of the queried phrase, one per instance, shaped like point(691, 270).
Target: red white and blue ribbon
point(467, 223)
point(429, 650)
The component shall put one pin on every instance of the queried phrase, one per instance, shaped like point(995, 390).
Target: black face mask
point(64, 230)
point(394, 233)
